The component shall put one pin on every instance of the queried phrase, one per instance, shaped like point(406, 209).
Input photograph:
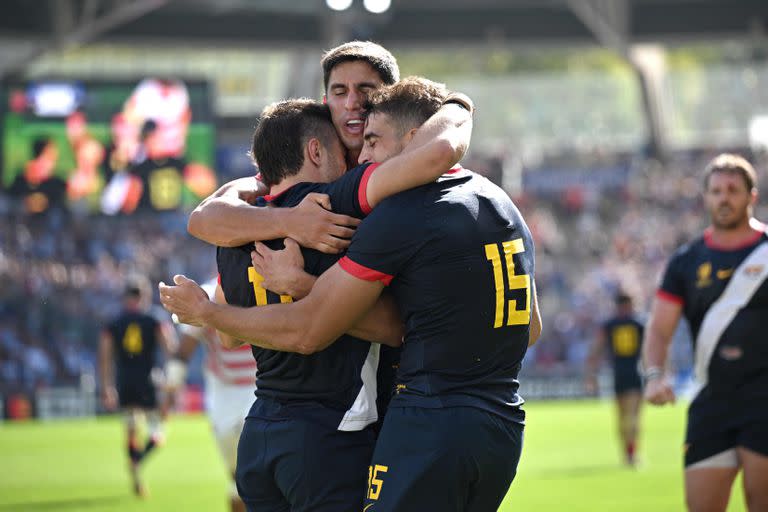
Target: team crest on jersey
point(731, 353)
point(704, 274)
point(753, 270)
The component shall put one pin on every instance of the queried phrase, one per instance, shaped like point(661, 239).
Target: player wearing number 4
point(718, 282)
point(623, 332)
point(458, 258)
point(129, 343)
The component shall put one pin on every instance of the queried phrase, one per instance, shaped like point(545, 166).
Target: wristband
point(653, 373)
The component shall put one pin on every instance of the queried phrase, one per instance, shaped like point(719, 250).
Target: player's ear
point(409, 136)
point(314, 151)
point(325, 99)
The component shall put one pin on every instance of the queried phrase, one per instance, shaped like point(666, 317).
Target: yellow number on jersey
point(165, 188)
point(374, 482)
point(259, 291)
point(625, 340)
point(132, 340)
point(516, 282)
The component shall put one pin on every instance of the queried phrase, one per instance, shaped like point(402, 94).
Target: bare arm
point(225, 340)
point(227, 220)
point(337, 301)
point(665, 316)
point(283, 273)
point(107, 371)
point(166, 336)
point(436, 146)
point(596, 352)
point(381, 324)
point(535, 330)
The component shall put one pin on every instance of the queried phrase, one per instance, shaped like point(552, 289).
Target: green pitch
point(571, 462)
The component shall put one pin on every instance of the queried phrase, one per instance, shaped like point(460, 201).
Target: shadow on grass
point(66, 503)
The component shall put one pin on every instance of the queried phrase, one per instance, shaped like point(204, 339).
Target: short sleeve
point(672, 286)
point(348, 193)
point(386, 241)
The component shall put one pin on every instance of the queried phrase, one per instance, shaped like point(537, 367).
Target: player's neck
point(287, 183)
point(352, 157)
point(735, 237)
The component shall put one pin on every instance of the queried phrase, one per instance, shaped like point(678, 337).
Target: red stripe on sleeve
point(364, 273)
point(362, 197)
point(669, 297)
point(219, 279)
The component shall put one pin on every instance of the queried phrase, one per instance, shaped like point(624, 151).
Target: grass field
point(570, 463)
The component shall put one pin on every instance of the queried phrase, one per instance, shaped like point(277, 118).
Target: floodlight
point(338, 5)
point(377, 6)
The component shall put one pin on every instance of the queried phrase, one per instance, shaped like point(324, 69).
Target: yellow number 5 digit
point(375, 483)
point(516, 282)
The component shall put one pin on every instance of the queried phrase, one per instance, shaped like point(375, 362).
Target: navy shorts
point(298, 465)
point(625, 381)
point(718, 425)
point(137, 393)
point(453, 459)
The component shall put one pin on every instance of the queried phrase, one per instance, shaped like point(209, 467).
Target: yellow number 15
point(516, 282)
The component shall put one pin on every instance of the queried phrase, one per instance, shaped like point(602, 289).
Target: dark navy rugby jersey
point(697, 277)
point(328, 385)
point(624, 335)
point(459, 260)
point(135, 341)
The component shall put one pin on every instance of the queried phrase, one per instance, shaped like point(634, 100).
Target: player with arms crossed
point(130, 343)
point(718, 282)
point(624, 334)
point(459, 261)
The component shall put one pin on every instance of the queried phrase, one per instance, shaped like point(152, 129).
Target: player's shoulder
point(689, 250)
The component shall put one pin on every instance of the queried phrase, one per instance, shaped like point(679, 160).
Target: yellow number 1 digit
point(261, 294)
point(516, 282)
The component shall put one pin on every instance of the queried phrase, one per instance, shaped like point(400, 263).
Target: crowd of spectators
point(62, 273)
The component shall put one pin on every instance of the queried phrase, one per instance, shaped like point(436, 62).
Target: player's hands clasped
point(312, 224)
point(659, 391)
point(186, 300)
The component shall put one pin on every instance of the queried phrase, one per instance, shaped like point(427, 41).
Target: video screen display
point(113, 147)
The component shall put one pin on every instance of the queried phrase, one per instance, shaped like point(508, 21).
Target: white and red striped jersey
point(236, 367)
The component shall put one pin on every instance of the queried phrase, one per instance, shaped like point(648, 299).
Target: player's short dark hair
point(283, 130)
point(623, 299)
point(136, 287)
point(39, 145)
point(732, 164)
point(147, 129)
point(375, 55)
point(408, 103)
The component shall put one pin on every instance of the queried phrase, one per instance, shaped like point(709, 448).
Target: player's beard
point(733, 218)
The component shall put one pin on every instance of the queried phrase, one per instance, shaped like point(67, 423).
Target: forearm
point(655, 350)
point(231, 222)
point(106, 373)
point(381, 324)
point(283, 327)
point(452, 123)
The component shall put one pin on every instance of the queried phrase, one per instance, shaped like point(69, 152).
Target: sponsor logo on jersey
point(730, 353)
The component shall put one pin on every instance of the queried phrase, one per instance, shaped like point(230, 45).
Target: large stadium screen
point(111, 147)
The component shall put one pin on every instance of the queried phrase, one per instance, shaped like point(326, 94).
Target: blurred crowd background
point(564, 131)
